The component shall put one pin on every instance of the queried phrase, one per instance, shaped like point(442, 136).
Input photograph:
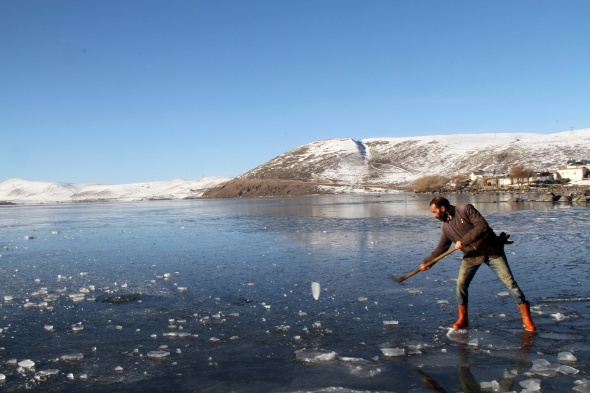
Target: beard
point(443, 216)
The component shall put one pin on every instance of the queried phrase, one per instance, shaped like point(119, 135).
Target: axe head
point(399, 280)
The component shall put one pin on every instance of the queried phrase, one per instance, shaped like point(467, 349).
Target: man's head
point(440, 208)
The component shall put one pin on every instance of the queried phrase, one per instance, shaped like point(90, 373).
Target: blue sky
point(121, 91)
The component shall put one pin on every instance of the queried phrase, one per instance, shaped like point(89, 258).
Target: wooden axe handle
point(427, 264)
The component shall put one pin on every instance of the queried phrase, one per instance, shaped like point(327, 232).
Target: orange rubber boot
point(527, 322)
point(462, 321)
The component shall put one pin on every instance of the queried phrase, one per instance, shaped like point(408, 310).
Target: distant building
point(504, 181)
point(478, 175)
point(573, 171)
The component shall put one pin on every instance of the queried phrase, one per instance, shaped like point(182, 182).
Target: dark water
point(224, 287)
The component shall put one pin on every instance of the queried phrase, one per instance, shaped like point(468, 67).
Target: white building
point(475, 175)
point(573, 172)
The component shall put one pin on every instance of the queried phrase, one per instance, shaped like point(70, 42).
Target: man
point(466, 227)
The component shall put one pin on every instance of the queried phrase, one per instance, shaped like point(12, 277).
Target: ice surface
point(351, 243)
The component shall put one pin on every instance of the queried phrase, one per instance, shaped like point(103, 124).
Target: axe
point(427, 264)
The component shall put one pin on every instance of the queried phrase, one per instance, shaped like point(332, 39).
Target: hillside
point(24, 191)
point(338, 165)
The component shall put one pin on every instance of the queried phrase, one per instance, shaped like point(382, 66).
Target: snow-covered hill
point(403, 160)
point(348, 164)
point(24, 191)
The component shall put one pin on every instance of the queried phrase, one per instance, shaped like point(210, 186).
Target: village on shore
point(570, 183)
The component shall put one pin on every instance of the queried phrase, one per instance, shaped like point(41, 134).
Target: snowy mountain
point(24, 191)
point(338, 165)
point(403, 160)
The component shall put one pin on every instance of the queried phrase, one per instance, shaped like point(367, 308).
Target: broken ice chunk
point(582, 386)
point(311, 356)
point(567, 370)
point(393, 352)
point(390, 323)
point(73, 357)
point(315, 290)
point(558, 316)
point(566, 357)
point(27, 363)
point(493, 386)
point(544, 369)
point(531, 384)
point(158, 354)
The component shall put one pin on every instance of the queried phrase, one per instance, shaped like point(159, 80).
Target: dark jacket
point(467, 225)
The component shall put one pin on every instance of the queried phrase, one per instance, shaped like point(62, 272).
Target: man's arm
point(442, 246)
point(480, 226)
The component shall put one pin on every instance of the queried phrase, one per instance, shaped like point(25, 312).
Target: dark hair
point(439, 201)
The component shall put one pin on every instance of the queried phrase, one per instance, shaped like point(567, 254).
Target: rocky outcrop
point(262, 187)
point(549, 197)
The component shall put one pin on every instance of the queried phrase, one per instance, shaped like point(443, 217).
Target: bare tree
point(430, 183)
point(521, 175)
point(516, 174)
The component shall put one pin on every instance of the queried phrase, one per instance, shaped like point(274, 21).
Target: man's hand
point(423, 267)
point(504, 238)
point(458, 245)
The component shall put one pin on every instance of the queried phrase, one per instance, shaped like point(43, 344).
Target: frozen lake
point(215, 296)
